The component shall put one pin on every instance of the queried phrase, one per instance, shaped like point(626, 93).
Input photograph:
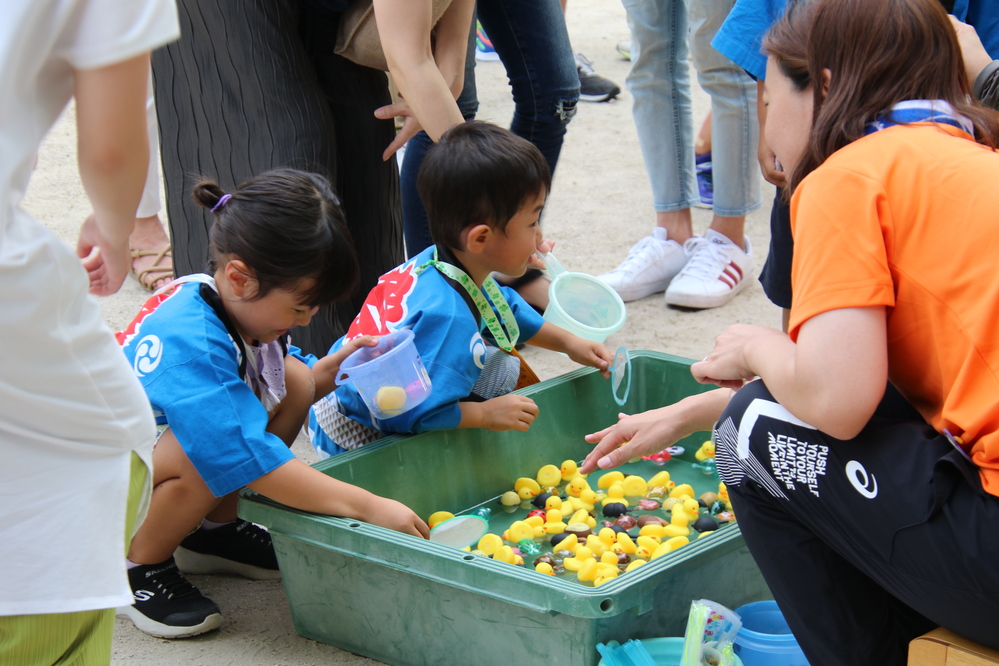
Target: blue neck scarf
point(920, 111)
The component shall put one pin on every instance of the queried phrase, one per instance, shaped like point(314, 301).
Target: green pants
point(69, 639)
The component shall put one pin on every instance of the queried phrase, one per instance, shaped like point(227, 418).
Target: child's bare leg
point(225, 510)
point(290, 414)
point(180, 501)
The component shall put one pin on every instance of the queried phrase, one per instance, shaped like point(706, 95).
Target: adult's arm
point(652, 431)
point(987, 85)
point(833, 377)
point(113, 155)
point(428, 88)
point(982, 70)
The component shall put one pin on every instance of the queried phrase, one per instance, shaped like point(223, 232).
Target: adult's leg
point(659, 82)
point(865, 543)
point(216, 121)
point(532, 42)
point(734, 127)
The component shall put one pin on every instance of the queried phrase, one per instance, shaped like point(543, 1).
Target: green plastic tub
point(406, 601)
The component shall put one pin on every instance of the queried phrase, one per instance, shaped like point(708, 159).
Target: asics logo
point(148, 354)
point(864, 483)
point(143, 595)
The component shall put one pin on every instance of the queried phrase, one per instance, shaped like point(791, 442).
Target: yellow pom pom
point(390, 398)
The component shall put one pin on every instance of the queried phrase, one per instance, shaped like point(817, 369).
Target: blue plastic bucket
point(765, 639)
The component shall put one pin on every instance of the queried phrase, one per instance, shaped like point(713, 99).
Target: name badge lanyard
point(505, 339)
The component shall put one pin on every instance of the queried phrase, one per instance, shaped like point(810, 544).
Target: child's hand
point(593, 354)
point(536, 261)
point(507, 412)
point(325, 369)
point(396, 516)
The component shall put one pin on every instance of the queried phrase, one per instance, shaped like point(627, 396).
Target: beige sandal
point(148, 277)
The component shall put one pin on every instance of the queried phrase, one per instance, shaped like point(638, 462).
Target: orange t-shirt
point(908, 218)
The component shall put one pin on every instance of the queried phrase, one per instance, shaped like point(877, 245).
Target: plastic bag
point(708, 639)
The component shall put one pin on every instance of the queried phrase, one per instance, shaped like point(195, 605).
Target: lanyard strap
point(505, 339)
point(921, 111)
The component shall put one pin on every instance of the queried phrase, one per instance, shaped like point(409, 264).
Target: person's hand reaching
point(106, 260)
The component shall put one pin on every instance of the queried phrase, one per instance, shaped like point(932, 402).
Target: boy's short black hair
point(478, 173)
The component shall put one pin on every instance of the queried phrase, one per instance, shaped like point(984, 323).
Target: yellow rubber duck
point(658, 531)
point(527, 488)
point(553, 522)
point(581, 555)
point(600, 580)
point(661, 550)
point(544, 568)
point(624, 544)
point(489, 543)
point(660, 479)
point(549, 476)
point(439, 517)
point(596, 546)
point(684, 489)
point(518, 531)
point(609, 479)
point(677, 542)
point(635, 486)
point(615, 494)
point(634, 564)
point(570, 543)
point(608, 536)
point(587, 570)
point(506, 554)
point(554, 502)
point(588, 497)
point(706, 451)
point(576, 486)
point(570, 470)
point(510, 498)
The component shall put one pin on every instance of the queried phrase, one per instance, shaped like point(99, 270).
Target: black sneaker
point(592, 86)
point(239, 547)
point(166, 605)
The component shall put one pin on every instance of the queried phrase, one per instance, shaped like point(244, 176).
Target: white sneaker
point(649, 267)
point(718, 270)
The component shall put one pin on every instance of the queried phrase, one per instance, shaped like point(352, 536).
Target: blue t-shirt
point(189, 363)
point(447, 334)
point(740, 37)
point(983, 15)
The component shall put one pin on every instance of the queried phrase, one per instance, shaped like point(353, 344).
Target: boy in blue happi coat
point(484, 189)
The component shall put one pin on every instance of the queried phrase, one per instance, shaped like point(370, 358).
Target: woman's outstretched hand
point(650, 432)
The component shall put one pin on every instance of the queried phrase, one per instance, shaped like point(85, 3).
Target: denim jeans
point(531, 40)
point(660, 86)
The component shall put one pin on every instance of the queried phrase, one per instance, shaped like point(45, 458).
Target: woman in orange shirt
point(870, 518)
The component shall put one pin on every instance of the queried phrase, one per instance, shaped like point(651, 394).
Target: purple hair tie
point(221, 202)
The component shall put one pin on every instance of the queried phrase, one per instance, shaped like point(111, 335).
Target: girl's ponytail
point(208, 194)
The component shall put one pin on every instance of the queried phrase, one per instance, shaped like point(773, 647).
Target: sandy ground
point(599, 206)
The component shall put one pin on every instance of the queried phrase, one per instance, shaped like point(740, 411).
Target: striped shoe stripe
point(731, 275)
